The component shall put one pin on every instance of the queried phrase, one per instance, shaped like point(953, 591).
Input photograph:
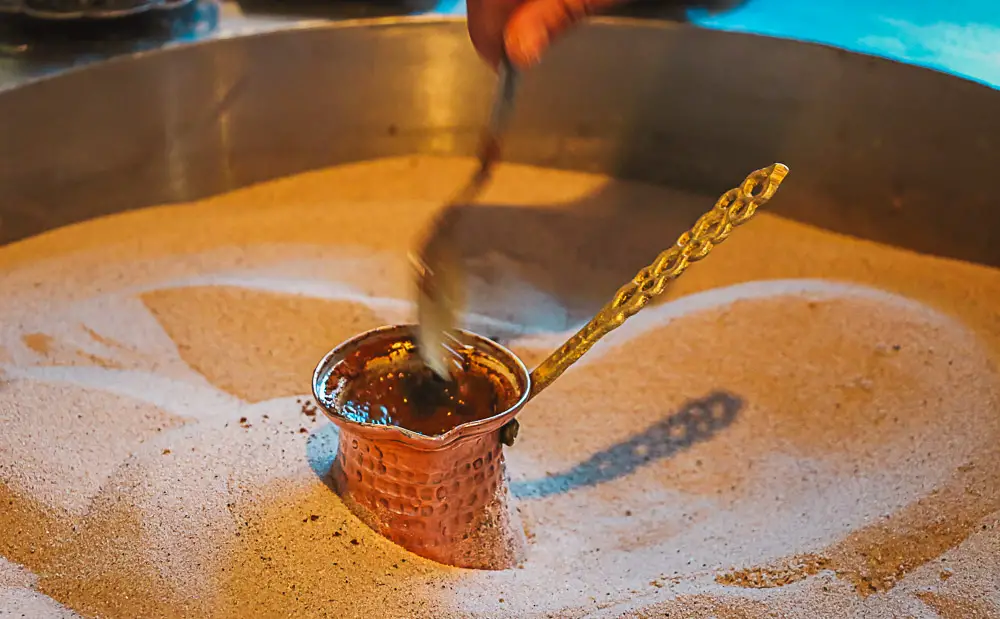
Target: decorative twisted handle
point(734, 208)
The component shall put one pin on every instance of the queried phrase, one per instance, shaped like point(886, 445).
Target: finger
point(535, 24)
point(486, 22)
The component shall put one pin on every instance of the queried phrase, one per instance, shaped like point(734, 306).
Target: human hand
point(525, 28)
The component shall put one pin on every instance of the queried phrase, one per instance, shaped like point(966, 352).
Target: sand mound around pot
point(808, 426)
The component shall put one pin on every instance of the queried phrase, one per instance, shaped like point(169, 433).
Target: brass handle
point(734, 208)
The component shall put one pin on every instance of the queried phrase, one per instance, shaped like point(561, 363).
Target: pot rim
point(412, 438)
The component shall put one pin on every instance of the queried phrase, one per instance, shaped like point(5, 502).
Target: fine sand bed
point(808, 427)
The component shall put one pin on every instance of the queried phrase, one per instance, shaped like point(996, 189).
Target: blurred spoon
point(439, 274)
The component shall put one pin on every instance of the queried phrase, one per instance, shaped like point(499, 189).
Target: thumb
point(536, 23)
point(487, 20)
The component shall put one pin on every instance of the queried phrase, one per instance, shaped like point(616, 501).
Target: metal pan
point(651, 101)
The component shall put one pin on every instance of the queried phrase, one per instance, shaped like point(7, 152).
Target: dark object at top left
point(84, 9)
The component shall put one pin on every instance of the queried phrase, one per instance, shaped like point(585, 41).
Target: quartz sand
point(808, 426)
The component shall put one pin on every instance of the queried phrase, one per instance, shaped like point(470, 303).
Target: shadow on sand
point(696, 421)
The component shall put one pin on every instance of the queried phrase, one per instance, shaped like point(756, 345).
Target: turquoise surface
point(959, 36)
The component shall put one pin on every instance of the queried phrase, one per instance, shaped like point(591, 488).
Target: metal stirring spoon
point(437, 264)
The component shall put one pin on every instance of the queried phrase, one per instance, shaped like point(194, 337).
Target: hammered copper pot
point(443, 497)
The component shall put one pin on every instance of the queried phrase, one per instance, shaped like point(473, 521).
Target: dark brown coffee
point(410, 395)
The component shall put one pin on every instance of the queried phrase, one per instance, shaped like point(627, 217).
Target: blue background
point(957, 36)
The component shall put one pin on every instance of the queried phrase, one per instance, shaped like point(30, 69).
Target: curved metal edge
point(437, 19)
point(859, 140)
point(413, 439)
point(252, 31)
